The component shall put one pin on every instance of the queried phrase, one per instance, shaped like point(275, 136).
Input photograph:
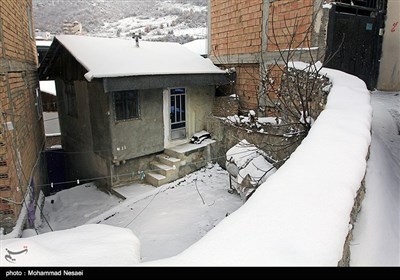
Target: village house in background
point(22, 132)
point(126, 107)
point(248, 34)
point(72, 28)
point(43, 35)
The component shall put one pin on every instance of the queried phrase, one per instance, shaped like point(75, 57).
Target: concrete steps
point(156, 179)
point(176, 163)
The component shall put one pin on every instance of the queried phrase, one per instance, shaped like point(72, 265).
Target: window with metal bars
point(178, 108)
point(126, 105)
point(372, 4)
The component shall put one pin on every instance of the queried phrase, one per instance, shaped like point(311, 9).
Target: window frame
point(124, 94)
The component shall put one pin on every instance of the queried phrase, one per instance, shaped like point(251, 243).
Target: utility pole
point(137, 37)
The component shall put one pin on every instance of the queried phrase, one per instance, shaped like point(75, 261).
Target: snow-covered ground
point(87, 245)
point(377, 232)
point(74, 207)
point(167, 219)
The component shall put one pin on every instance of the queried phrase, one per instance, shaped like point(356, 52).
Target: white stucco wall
point(389, 74)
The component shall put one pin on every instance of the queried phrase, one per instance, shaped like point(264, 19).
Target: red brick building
point(250, 34)
point(21, 130)
point(247, 35)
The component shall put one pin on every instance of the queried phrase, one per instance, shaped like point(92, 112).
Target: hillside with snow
point(157, 20)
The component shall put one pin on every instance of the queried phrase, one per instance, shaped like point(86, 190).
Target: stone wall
point(277, 146)
point(225, 106)
point(345, 261)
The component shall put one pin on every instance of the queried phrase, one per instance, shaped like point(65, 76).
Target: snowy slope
point(161, 20)
point(88, 245)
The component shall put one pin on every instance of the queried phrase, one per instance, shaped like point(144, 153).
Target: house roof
point(114, 57)
point(199, 46)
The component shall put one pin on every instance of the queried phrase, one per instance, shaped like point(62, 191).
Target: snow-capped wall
point(300, 215)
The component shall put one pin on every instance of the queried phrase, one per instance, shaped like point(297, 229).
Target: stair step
point(174, 154)
point(169, 160)
point(156, 179)
point(163, 169)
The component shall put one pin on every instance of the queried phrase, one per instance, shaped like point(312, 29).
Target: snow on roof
point(199, 46)
point(48, 87)
point(114, 57)
point(87, 245)
point(300, 215)
point(43, 43)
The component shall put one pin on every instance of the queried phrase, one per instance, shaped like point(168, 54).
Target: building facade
point(21, 131)
point(118, 118)
point(72, 28)
point(250, 35)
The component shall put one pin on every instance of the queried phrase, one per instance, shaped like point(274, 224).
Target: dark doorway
point(355, 35)
point(55, 171)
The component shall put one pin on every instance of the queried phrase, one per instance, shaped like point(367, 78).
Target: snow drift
point(88, 245)
point(300, 215)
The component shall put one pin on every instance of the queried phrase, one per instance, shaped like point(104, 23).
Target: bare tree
point(294, 93)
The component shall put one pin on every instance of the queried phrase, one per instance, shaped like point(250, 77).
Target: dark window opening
point(126, 105)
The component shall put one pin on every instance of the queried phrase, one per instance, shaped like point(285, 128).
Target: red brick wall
point(247, 85)
point(21, 146)
point(289, 17)
point(236, 26)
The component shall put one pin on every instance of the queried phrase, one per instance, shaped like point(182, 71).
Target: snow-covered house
point(199, 46)
point(120, 106)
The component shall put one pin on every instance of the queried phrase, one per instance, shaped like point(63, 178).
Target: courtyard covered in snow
point(166, 220)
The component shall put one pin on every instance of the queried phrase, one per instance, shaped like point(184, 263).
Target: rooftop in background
point(48, 87)
point(112, 57)
point(42, 46)
point(43, 43)
point(199, 46)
